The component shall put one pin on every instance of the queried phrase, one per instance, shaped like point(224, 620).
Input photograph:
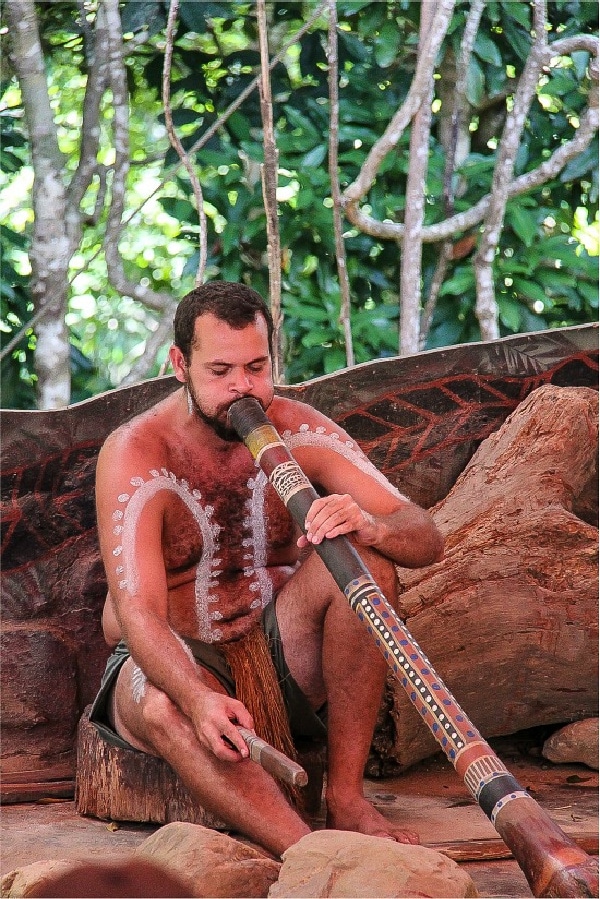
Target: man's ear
point(178, 363)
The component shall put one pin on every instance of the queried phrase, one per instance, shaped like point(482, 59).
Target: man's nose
point(241, 382)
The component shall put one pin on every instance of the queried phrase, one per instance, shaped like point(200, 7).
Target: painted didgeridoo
point(552, 863)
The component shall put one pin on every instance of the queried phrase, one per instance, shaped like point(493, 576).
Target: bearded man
point(207, 570)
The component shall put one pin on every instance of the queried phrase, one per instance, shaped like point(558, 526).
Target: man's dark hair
point(232, 303)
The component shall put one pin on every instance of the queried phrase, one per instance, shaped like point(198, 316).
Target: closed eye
point(256, 367)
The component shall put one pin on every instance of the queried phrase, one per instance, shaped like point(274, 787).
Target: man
point(201, 556)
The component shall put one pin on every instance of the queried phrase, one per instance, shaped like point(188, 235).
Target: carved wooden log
point(510, 617)
point(123, 785)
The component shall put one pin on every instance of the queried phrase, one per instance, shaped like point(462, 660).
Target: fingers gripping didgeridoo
point(552, 863)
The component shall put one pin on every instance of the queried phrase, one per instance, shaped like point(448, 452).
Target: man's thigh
point(302, 606)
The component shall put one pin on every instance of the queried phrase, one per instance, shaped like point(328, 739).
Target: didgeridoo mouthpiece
point(245, 415)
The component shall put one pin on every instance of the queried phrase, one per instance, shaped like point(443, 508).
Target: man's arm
point(360, 502)
point(130, 533)
point(407, 534)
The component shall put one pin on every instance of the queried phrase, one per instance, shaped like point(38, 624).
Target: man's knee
point(146, 720)
point(159, 713)
point(382, 570)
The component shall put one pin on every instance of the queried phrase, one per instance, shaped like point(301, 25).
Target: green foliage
point(544, 275)
point(18, 383)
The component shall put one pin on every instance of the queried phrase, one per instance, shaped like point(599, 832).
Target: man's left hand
point(337, 514)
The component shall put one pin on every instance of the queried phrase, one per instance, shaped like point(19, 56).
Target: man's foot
point(360, 816)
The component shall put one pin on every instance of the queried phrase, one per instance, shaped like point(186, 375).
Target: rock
point(22, 881)
point(210, 863)
point(90, 878)
point(338, 863)
point(576, 742)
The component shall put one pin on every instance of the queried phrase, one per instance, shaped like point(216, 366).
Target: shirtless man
point(198, 550)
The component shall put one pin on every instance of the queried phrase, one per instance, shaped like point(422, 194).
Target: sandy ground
point(430, 798)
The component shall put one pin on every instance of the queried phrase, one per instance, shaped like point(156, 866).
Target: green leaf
point(194, 15)
point(523, 223)
point(519, 11)
point(305, 312)
point(510, 313)
point(351, 7)
point(487, 50)
point(387, 44)
point(581, 60)
point(530, 289)
point(568, 251)
point(182, 210)
point(10, 162)
point(314, 157)
point(334, 360)
point(318, 337)
point(182, 117)
point(589, 292)
point(137, 15)
point(305, 198)
point(239, 125)
point(475, 83)
point(349, 44)
point(492, 11)
point(562, 82)
point(555, 280)
point(461, 282)
point(520, 42)
point(446, 333)
point(581, 165)
point(302, 122)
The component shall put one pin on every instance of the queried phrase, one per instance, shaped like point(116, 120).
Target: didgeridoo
point(552, 863)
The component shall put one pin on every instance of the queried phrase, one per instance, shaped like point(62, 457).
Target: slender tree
point(331, 283)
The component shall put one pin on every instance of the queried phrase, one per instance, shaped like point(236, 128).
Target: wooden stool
point(123, 785)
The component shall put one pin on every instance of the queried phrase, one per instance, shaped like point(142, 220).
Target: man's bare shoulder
point(144, 433)
point(326, 452)
point(291, 415)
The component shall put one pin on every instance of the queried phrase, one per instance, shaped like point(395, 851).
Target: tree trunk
point(50, 251)
point(509, 618)
point(412, 245)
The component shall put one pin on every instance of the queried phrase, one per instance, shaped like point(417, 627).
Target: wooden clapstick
point(552, 863)
point(273, 761)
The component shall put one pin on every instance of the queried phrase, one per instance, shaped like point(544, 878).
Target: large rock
point(38, 713)
point(574, 743)
point(210, 863)
point(338, 863)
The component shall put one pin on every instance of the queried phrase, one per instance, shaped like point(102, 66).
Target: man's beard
point(212, 421)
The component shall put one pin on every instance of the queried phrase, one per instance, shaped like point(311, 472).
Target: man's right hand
point(216, 720)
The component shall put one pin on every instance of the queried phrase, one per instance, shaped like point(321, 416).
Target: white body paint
point(254, 542)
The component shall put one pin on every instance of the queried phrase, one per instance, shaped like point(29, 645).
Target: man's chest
point(231, 515)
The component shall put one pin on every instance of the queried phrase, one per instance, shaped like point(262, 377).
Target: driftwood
point(509, 619)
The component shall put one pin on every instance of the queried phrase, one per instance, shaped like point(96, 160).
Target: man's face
point(226, 364)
